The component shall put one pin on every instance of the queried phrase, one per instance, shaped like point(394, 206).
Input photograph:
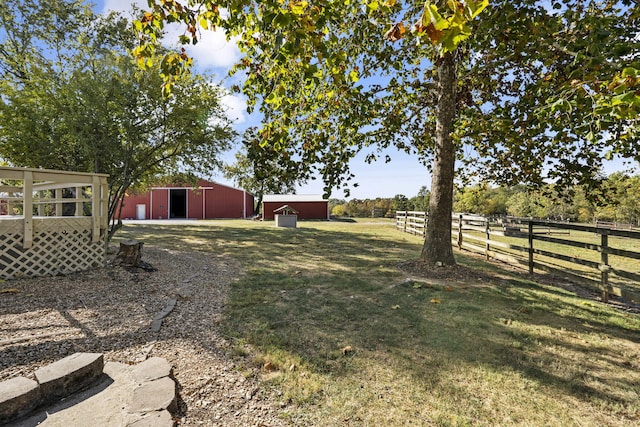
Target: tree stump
point(130, 253)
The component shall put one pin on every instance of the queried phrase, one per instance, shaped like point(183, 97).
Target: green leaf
point(433, 16)
point(298, 8)
point(372, 6)
point(476, 7)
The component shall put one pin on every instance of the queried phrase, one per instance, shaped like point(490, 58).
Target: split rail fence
point(602, 258)
point(51, 222)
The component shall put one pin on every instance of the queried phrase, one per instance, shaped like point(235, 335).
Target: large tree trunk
point(437, 245)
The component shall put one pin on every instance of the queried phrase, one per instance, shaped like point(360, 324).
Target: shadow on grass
point(311, 293)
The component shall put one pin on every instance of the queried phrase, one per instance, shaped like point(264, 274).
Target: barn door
point(178, 203)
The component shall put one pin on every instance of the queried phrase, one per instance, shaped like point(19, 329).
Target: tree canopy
point(72, 99)
point(521, 92)
point(260, 170)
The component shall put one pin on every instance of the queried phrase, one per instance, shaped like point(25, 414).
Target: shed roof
point(287, 210)
point(283, 198)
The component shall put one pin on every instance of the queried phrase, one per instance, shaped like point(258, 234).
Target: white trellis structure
point(51, 222)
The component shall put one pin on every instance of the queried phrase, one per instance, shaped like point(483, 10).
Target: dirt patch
point(111, 311)
point(446, 273)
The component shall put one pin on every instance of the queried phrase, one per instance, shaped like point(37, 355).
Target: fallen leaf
point(346, 350)
point(395, 307)
point(448, 288)
point(10, 291)
point(269, 367)
point(417, 285)
point(436, 301)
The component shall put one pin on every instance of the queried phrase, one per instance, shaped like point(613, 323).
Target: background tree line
point(618, 201)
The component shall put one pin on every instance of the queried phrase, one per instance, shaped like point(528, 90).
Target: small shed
point(308, 206)
point(205, 200)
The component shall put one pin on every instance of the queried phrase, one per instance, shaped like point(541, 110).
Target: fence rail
point(603, 258)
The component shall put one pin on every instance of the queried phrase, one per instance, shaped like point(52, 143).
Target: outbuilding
point(308, 206)
point(206, 200)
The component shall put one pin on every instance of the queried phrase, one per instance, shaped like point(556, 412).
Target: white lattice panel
point(48, 225)
point(10, 225)
point(60, 246)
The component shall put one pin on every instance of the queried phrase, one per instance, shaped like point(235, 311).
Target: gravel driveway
point(111, 310)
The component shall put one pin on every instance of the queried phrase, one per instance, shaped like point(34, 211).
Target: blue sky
point(214, 55)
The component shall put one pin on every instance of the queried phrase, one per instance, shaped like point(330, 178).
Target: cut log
point(130, 253)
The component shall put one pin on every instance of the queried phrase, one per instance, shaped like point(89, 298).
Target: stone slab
point(101, 405)
point(68, 375)
point(18, 396)
point(155, 395)
point(124, 395)
point(154, 419)
point(151, 369)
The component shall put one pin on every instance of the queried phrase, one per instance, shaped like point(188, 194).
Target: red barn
point(309, 206)
point(207, 200)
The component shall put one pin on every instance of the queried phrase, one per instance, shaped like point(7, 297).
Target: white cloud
point(122, 5)
point(212, 50)
point(235, 107)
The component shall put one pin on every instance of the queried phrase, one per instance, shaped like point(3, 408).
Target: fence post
point(459, 231)
point(530, 235)
point(487, 231)
point(27, 209)
point(78, 202)
point(58, 197)
point(604, 267)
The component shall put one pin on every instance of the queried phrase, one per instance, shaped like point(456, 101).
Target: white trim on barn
point(293, 198)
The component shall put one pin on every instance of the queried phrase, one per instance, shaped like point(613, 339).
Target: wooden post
point(41, 206)
point(27, 208)
point(604, 265)
point(10, 204)
point(459, 231)
point(58, 198)
point(530, 232)
point(79, 209)
point(104, 204)
point(95, 209)
point(487, 231)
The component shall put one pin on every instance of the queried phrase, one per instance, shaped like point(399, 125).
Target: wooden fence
point(51, 222)
point(604, 259)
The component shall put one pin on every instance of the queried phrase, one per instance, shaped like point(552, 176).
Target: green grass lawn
point(325, 316)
